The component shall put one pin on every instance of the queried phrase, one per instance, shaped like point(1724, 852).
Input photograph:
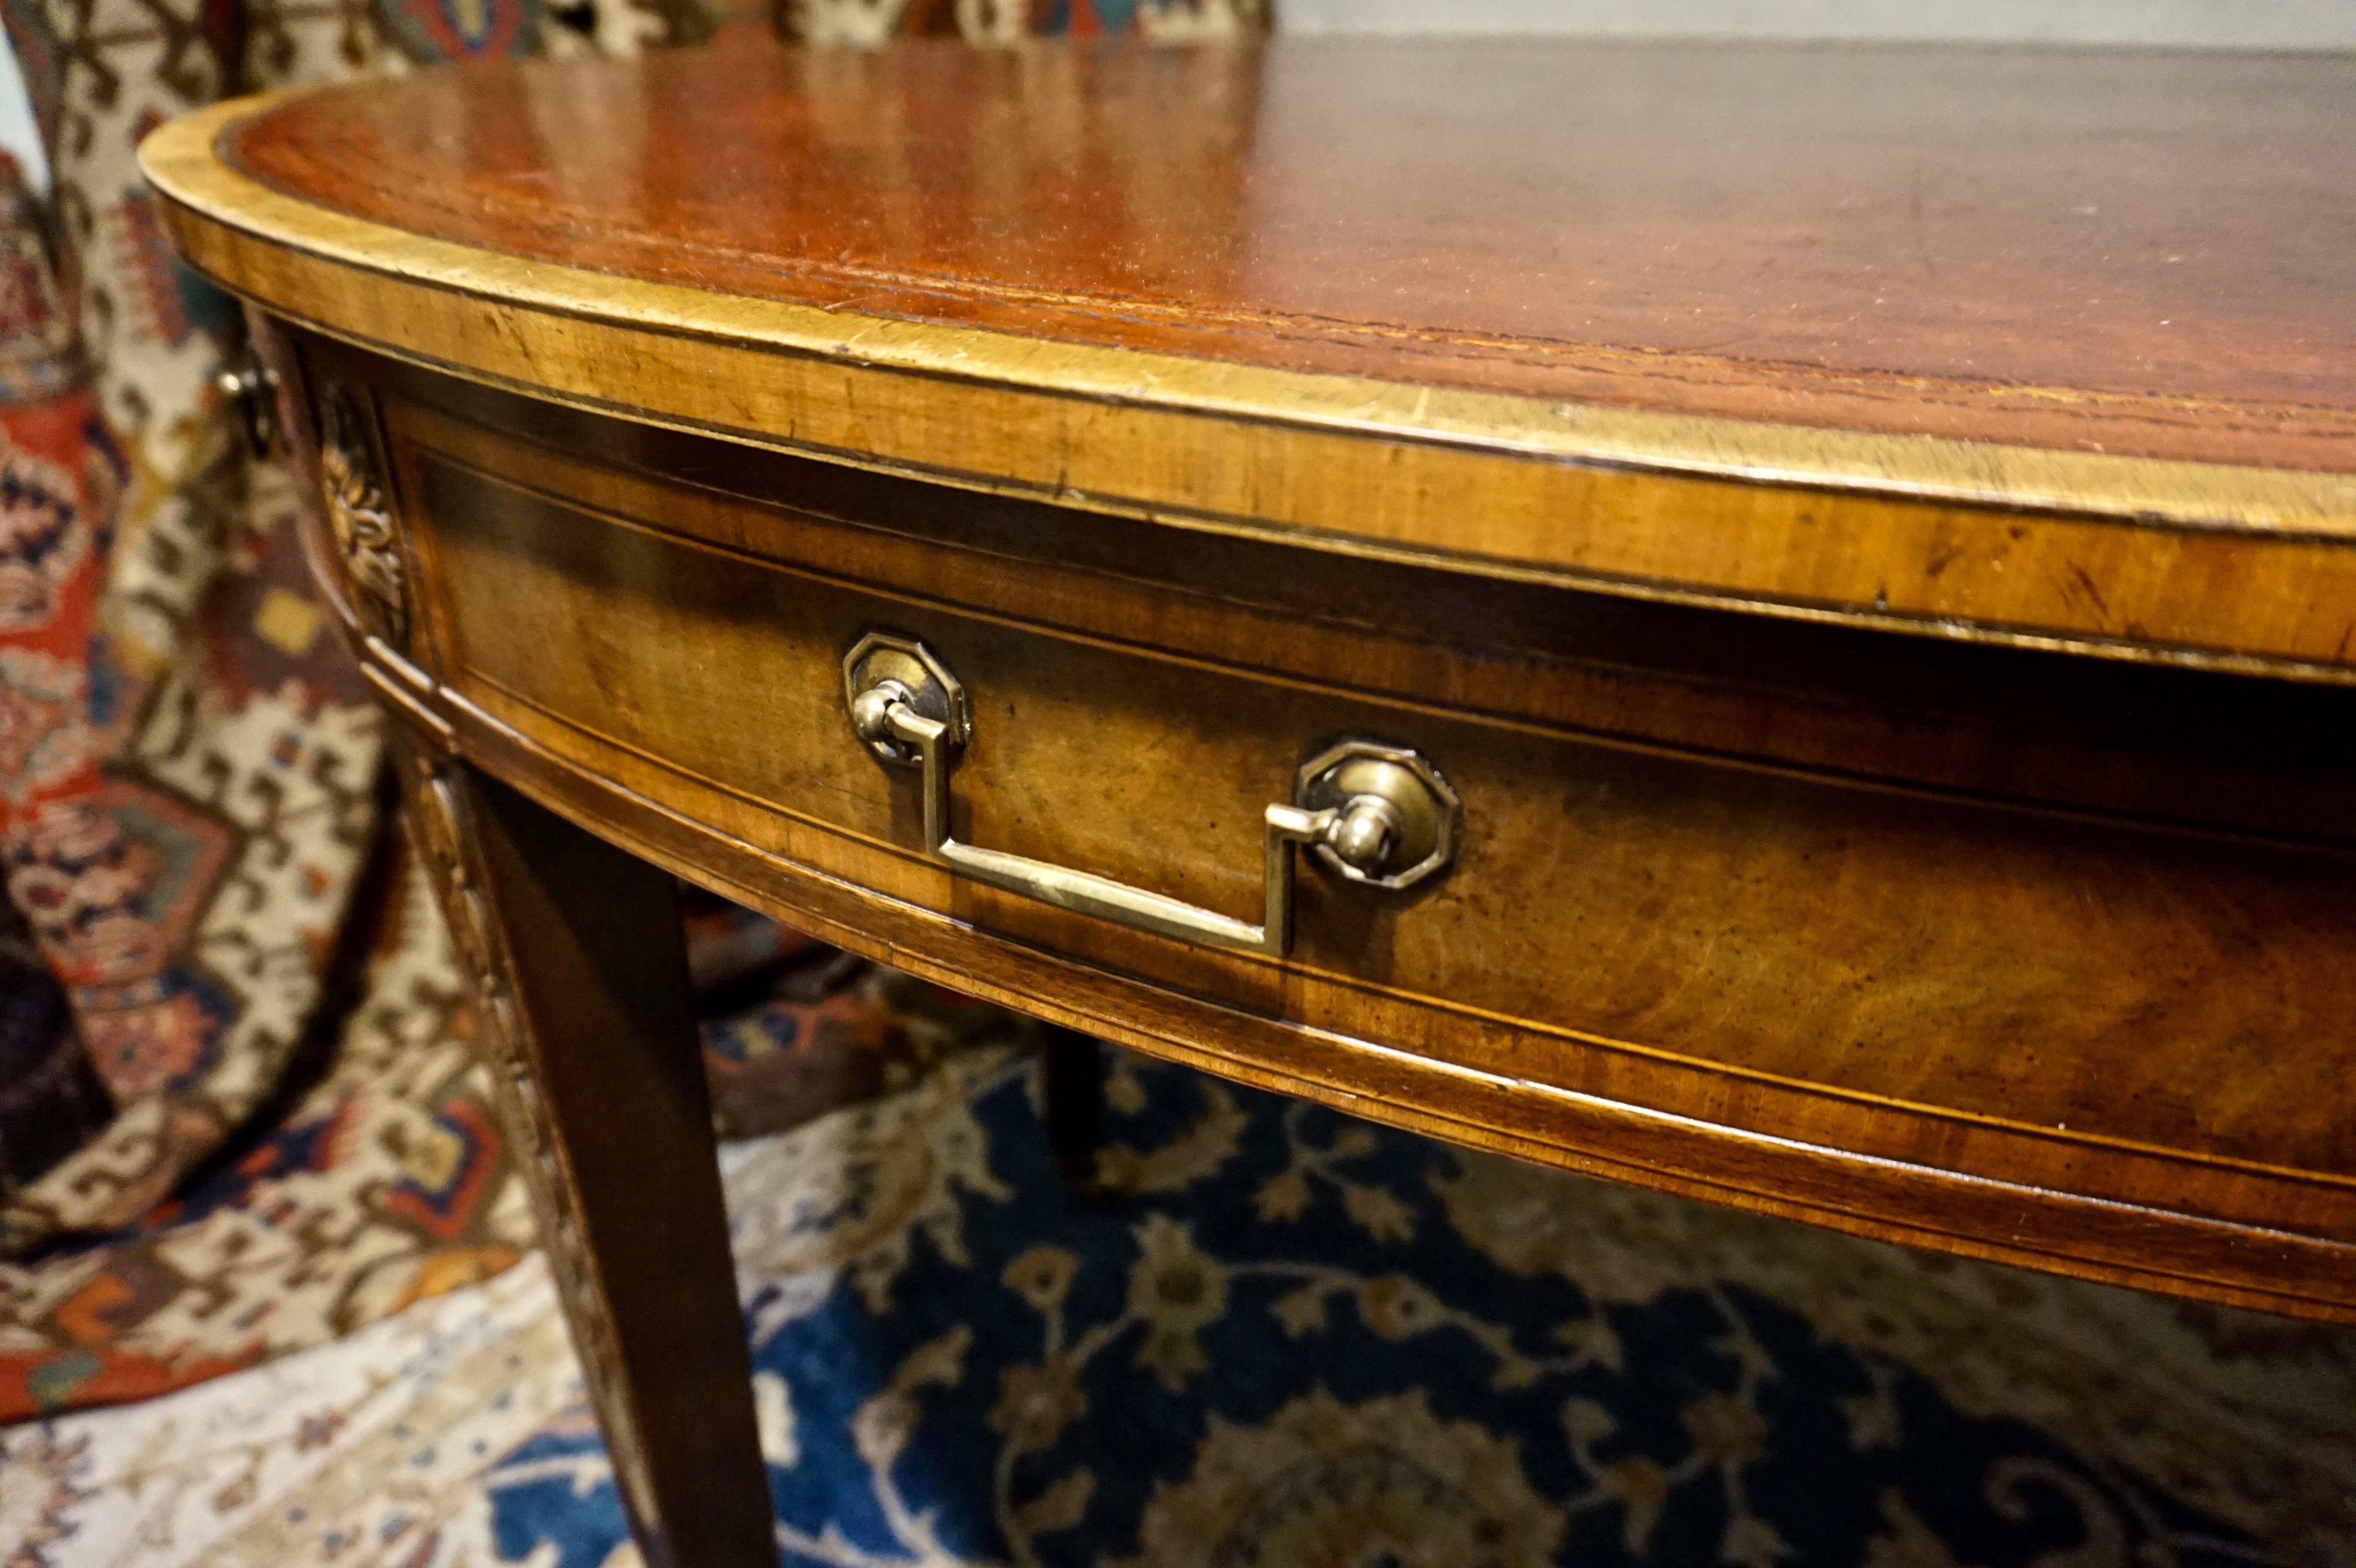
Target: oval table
point(1774, 622)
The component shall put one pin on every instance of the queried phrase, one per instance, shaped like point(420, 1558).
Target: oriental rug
point(1282, 1337)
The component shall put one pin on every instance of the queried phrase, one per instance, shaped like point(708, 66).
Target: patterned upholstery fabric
point(871, 22)
point(189, 775)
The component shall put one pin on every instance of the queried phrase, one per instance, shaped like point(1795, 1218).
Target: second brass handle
point(1375, 813)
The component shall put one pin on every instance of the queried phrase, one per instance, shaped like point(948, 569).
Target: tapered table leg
point(576, 951)
point(1072, 1071)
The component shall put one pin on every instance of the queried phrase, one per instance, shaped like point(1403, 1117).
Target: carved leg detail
point(575, 952)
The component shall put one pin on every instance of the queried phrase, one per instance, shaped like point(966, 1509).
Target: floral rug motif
point(1283, 1337)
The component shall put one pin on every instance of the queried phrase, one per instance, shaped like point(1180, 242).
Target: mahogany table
point(1774, 622)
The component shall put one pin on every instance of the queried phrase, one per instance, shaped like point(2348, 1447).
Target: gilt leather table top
point(2070, 284)
point(2130, 251)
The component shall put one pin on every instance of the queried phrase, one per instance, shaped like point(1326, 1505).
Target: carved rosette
point(439, 815)
point(366, 536)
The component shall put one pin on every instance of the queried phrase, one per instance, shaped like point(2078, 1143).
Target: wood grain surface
point(2132, 251)
point(1413, 446)
point(1951, 920)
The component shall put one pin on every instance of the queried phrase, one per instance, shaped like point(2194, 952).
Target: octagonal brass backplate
point(1430, 816)
point(932, 690)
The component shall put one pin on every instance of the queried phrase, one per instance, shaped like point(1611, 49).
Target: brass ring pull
point(1377, 815)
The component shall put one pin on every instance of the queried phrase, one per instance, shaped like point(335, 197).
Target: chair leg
point(1072, 1074)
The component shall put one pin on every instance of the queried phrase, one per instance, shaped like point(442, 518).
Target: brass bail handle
point(1373, 814)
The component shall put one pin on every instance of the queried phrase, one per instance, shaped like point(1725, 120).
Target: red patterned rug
point(385, 1180)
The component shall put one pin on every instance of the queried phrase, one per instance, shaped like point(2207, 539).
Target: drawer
point(1728, 896)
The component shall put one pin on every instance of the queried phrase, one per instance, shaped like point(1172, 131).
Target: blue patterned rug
point(1293, 1340)
point(1298, 1339)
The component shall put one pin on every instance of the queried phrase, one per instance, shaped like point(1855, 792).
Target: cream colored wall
point(18, 136)
point(2241, 24)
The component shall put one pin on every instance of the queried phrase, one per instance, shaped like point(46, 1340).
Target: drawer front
point(2041, 999)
